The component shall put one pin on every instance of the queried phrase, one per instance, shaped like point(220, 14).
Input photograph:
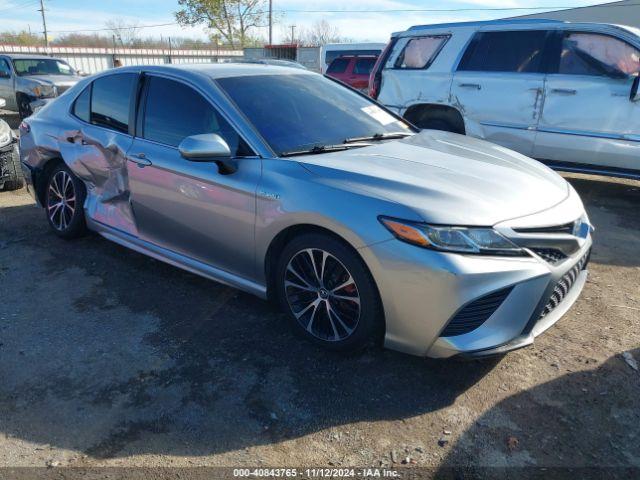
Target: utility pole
point(270, 22)
point(293, 29)
point(44, 24)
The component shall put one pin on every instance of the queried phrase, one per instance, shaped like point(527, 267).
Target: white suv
point(564, 93)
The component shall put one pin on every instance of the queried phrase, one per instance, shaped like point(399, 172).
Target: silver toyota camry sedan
point(287, 185)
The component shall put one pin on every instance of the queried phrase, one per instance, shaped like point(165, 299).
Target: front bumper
point(422, 290)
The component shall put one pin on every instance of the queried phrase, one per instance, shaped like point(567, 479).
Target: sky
point(361, 20)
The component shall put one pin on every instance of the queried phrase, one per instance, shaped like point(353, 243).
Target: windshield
point(42, 66)
point(298, 112)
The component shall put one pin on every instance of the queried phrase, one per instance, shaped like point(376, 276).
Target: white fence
point(92, 60)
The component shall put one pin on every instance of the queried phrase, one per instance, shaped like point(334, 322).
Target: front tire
point(65, 197)
point(328, 293)
point(24, 106)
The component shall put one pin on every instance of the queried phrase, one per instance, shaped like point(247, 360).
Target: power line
point(20, 6)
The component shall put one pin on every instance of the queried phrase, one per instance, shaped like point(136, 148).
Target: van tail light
point(375, 79)
point(24, 127)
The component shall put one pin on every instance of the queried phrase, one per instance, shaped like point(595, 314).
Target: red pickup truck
point(353, 70)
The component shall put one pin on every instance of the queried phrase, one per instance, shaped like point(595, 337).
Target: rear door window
point(420, 52)
point(187, 113)
point(339, 65)
point(364, 66)
point(111, 101)
point(516, 52)
point(597, 55)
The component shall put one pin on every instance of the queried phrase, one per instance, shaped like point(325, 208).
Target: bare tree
point(320, 33)
point(125, 33)
point(233, 20)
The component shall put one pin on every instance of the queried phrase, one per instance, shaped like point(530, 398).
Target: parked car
point(331, 51)
point(353, 70)
point(285, 184)
point(10, 170)
point(564, 93)
point(28, 78)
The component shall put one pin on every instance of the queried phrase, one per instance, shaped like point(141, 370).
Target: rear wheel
point(65, 197)
point(328, 293)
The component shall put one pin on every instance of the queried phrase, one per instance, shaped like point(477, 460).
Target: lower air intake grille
point(563, 287)
point(551, 255)
point(475, 314)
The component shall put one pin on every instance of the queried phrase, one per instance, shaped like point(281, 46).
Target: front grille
point(564, 286)
point(62, 88)
point(565, 228)
point(475, 313)
point(551, 255)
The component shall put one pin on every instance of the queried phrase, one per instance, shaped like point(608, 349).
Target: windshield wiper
point(317, 149)
point(378, 137)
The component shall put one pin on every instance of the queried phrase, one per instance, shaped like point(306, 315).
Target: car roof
point(515, 22)
point(219, 70)
point(417, 29)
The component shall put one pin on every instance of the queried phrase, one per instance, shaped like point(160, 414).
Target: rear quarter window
point(82, 105)
point(420, 52)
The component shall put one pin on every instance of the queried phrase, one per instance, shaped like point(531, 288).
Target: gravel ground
point(109, 358)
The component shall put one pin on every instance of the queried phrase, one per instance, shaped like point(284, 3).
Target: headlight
point(452, 239)
point(44, 91)
point(5, 134)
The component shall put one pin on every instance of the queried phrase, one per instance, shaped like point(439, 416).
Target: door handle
point(477, 86)
point(73, 140)
point(141, 160)
point(564, 91)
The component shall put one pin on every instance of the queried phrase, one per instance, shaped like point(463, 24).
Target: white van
point(565, 93)
point(331, 51)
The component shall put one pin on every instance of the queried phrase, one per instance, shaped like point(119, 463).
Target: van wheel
point(14, 179)
point(328, 293)
point(65, 197)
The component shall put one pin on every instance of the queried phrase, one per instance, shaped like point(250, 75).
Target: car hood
point(445, 178)
point(57, 80)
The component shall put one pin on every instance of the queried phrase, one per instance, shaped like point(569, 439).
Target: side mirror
point(635, 95)
point(5, 75)
point(208, 147)
point(3, 103)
